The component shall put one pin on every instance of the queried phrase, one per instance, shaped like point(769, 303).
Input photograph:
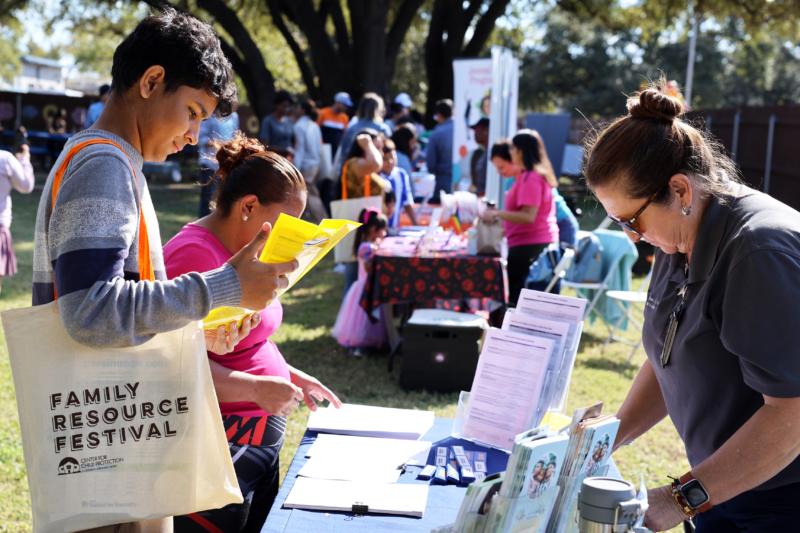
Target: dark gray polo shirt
point(739, 338)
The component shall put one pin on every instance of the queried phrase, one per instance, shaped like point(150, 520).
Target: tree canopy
point(577, 55)
point(585, 65)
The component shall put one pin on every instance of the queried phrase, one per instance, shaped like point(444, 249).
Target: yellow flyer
point(291, 238)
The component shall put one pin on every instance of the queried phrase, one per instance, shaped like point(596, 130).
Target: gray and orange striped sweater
point(87, 245)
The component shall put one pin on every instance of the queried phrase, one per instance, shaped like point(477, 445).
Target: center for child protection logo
point(68, 465)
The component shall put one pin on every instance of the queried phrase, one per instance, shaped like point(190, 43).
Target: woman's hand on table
point(663, 512)
point(277, 395)
point(313, 389)
point(222, 342)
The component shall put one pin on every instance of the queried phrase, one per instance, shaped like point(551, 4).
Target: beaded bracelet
point(681, 501)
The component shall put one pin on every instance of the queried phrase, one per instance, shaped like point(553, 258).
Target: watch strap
point(686, 478)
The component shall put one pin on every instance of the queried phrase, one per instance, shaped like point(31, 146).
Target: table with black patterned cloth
point(394, 279)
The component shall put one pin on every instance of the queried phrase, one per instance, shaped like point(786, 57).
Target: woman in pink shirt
point(255, 387)
point(529, 219)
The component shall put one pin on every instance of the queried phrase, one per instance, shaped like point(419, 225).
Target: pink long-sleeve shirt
point(195, 249)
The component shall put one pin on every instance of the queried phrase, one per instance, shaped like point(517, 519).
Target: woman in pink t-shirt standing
point(255, 387)
point(529, 219)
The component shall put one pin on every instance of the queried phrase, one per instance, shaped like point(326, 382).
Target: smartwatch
point(694, 493)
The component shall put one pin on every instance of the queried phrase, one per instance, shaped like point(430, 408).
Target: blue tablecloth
point(443, 501)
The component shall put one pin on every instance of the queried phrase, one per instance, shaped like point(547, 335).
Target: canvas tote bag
point(119, 434)
point(349, 209)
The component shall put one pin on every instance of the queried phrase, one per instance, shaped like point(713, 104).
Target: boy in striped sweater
point(167, 77)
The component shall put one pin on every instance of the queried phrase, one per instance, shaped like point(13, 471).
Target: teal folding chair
point(618, 256)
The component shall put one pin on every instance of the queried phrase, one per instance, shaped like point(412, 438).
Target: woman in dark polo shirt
point(721, 321)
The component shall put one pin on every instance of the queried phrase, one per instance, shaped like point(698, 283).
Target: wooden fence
point(763, 141)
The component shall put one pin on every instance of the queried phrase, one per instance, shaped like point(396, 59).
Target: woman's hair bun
point(660, 100)
point(231, 153)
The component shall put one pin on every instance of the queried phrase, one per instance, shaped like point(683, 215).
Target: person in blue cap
point(399, 109)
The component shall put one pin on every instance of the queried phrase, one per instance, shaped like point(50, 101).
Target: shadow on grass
point(623, 368)
point(590, 338)
point(313, 308)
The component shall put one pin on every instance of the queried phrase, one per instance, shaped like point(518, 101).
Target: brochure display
point(539, 491)
point(511, 372)
point(524, 371)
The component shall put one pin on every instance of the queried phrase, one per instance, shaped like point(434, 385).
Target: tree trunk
point(357, 59)
point(329, 67)
point(450, 21)
point(368, 19)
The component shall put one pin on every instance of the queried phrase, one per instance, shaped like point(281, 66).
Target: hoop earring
point(686, 212)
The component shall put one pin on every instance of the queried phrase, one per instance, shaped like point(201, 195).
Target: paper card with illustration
point(600, 449)
point(542, 473)
point(532, 516)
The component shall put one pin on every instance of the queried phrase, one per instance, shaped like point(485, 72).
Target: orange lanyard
point(145, 262)
point(367, 183)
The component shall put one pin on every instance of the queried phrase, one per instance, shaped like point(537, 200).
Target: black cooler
point(440, 350)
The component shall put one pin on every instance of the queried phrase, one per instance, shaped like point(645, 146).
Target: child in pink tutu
point(353, 328)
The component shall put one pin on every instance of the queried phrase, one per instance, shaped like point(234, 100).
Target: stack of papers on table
point(325, 495)
point(412, 452)
point(375, 460)
point(365, 421)
point(358, 464)
point(339, 469)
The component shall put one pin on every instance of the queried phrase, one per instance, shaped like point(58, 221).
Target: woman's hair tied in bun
point(233, 152)
point(246, 167)
point(659, 100)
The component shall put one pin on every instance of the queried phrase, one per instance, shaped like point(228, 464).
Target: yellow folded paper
point(291, 238)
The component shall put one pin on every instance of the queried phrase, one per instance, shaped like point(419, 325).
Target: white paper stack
point(325, 495)
point(409, 451)
point(358, 459)
point(369, 459)
point(366, 421)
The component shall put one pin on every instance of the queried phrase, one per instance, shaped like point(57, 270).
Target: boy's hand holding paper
point(291, 249)
point(260, 282)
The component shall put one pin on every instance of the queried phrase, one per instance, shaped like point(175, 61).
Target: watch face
point(694, 493)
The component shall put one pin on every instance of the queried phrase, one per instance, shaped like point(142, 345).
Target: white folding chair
point(631, 298)
point(561, 268)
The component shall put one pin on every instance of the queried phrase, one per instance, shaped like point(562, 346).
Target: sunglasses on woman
point(629, 224)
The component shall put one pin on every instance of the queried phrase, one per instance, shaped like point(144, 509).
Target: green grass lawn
point(304, 338)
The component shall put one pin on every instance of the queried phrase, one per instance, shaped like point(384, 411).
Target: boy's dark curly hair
point(186, 47)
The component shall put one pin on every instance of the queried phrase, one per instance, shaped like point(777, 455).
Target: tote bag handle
point(145, 262)
point(367, 183)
